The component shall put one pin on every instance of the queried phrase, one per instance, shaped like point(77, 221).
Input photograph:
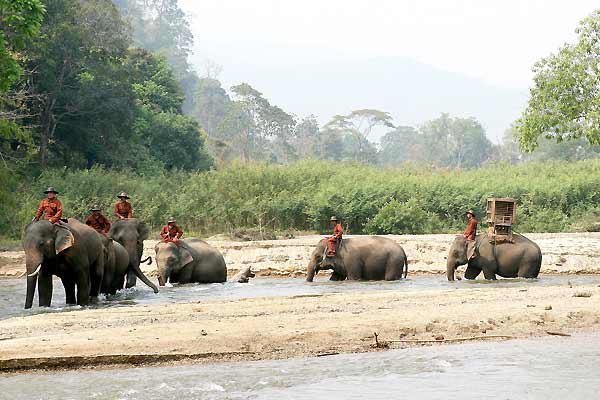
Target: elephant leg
point(96, 275)
point(336, 277)
point(82, 280)
point(45, 288)
point(69, 285)
point(472, 272)
point(131, 278)
point(489, 274)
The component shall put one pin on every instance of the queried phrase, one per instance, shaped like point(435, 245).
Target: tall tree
point(400, 145)
point(357, 126)
point(19, 20)
point(565, 99)
point(161, 26)
point(84, 101)
point(252, 122)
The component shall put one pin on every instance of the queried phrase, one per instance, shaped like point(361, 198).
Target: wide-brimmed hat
point(333, 218)
point(123, 195)
point(50, 190)
point(171, 219)
point(470, 212)
point(95, 208)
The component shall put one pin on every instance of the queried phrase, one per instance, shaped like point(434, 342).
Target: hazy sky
point(497, 41)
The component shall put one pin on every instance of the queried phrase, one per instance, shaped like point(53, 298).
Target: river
point(12, 291)
point(547, 368)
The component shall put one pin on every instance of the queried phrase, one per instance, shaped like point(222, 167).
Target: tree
point(211, 105)
point(84, 103)
point(161, 26)
point(252, 122)
point(565, 99)
point(454, 142)
point(306, 140)
point(357, 126)
point(19, 21)
point(400, 145)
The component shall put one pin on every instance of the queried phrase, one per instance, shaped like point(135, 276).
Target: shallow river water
point(548, 368)
point(12, 291)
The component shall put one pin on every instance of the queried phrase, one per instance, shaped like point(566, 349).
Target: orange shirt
point(51, 209)
point(123, 210)
point(471, 231)
point(171, 233)
point(100, 224)
point(338, 231)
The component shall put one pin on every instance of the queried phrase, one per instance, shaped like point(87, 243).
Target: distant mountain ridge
point(314, 82)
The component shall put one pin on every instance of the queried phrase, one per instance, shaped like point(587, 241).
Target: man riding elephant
point(336, 238)
point(471, 233)
point(171, 232)
point(123, 209)
point(98, 221)
point(50, 207)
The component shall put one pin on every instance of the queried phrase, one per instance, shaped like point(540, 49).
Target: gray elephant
point(360, 258)
point(131, 233)
point(192, 260)
point(522, 258)
point(71, 251)
point(116, 265)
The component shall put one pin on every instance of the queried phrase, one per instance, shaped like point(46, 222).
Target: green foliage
point(402, 218)
point(551, 196)
point(564, 101)
point(19, 20)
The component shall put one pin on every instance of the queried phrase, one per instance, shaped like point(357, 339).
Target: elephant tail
point(405, 266)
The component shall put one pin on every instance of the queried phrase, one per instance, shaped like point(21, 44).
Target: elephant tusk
point(37, 271)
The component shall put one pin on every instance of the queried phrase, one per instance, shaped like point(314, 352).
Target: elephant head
point(170, 259)
point(457, 255)
point(42, 242)
point(318, 262)
point(131, 233)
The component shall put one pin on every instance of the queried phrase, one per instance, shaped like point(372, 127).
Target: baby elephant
point(192, 260)
point(243, 275)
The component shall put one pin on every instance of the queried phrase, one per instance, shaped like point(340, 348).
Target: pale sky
point(496, 41)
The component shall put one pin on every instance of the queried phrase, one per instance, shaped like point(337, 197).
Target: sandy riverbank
point(284, 327)
point(562, 253)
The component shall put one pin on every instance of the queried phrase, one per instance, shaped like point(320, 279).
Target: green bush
point(552, 197)
point(401, 218)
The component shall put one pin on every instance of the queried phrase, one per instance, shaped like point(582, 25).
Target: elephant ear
point(185, 257)
point(63, 240)
point(143, 231)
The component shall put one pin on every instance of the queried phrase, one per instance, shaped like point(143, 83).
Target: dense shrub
point(555, 196)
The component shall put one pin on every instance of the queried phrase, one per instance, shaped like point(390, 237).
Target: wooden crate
point(501, 211)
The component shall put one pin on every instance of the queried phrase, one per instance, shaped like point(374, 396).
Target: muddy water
point(548, 368)
point(12, 291)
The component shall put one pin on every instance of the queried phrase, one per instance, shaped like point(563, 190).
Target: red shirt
point(100, 224)
point(123, 210)
point(171, 233)
point(471, 231)
point(51, 209)
point(338, 231)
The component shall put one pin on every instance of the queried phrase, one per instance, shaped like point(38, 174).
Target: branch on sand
point(385, 344)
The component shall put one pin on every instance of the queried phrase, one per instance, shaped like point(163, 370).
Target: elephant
point(243, 275)
point(522, 258)
point(360, 258)
point(116, 265)
point(131, 233)
point(191, 260)
point(72, 251)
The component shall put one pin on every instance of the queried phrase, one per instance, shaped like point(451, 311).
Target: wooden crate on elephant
point(500, 215)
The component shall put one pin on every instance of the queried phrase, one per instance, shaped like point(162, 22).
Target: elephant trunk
point(450, 268)
point(33, 266)
point(311, 270)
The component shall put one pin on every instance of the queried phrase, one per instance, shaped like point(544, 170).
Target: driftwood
point(557, 333)
point(460, 339)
